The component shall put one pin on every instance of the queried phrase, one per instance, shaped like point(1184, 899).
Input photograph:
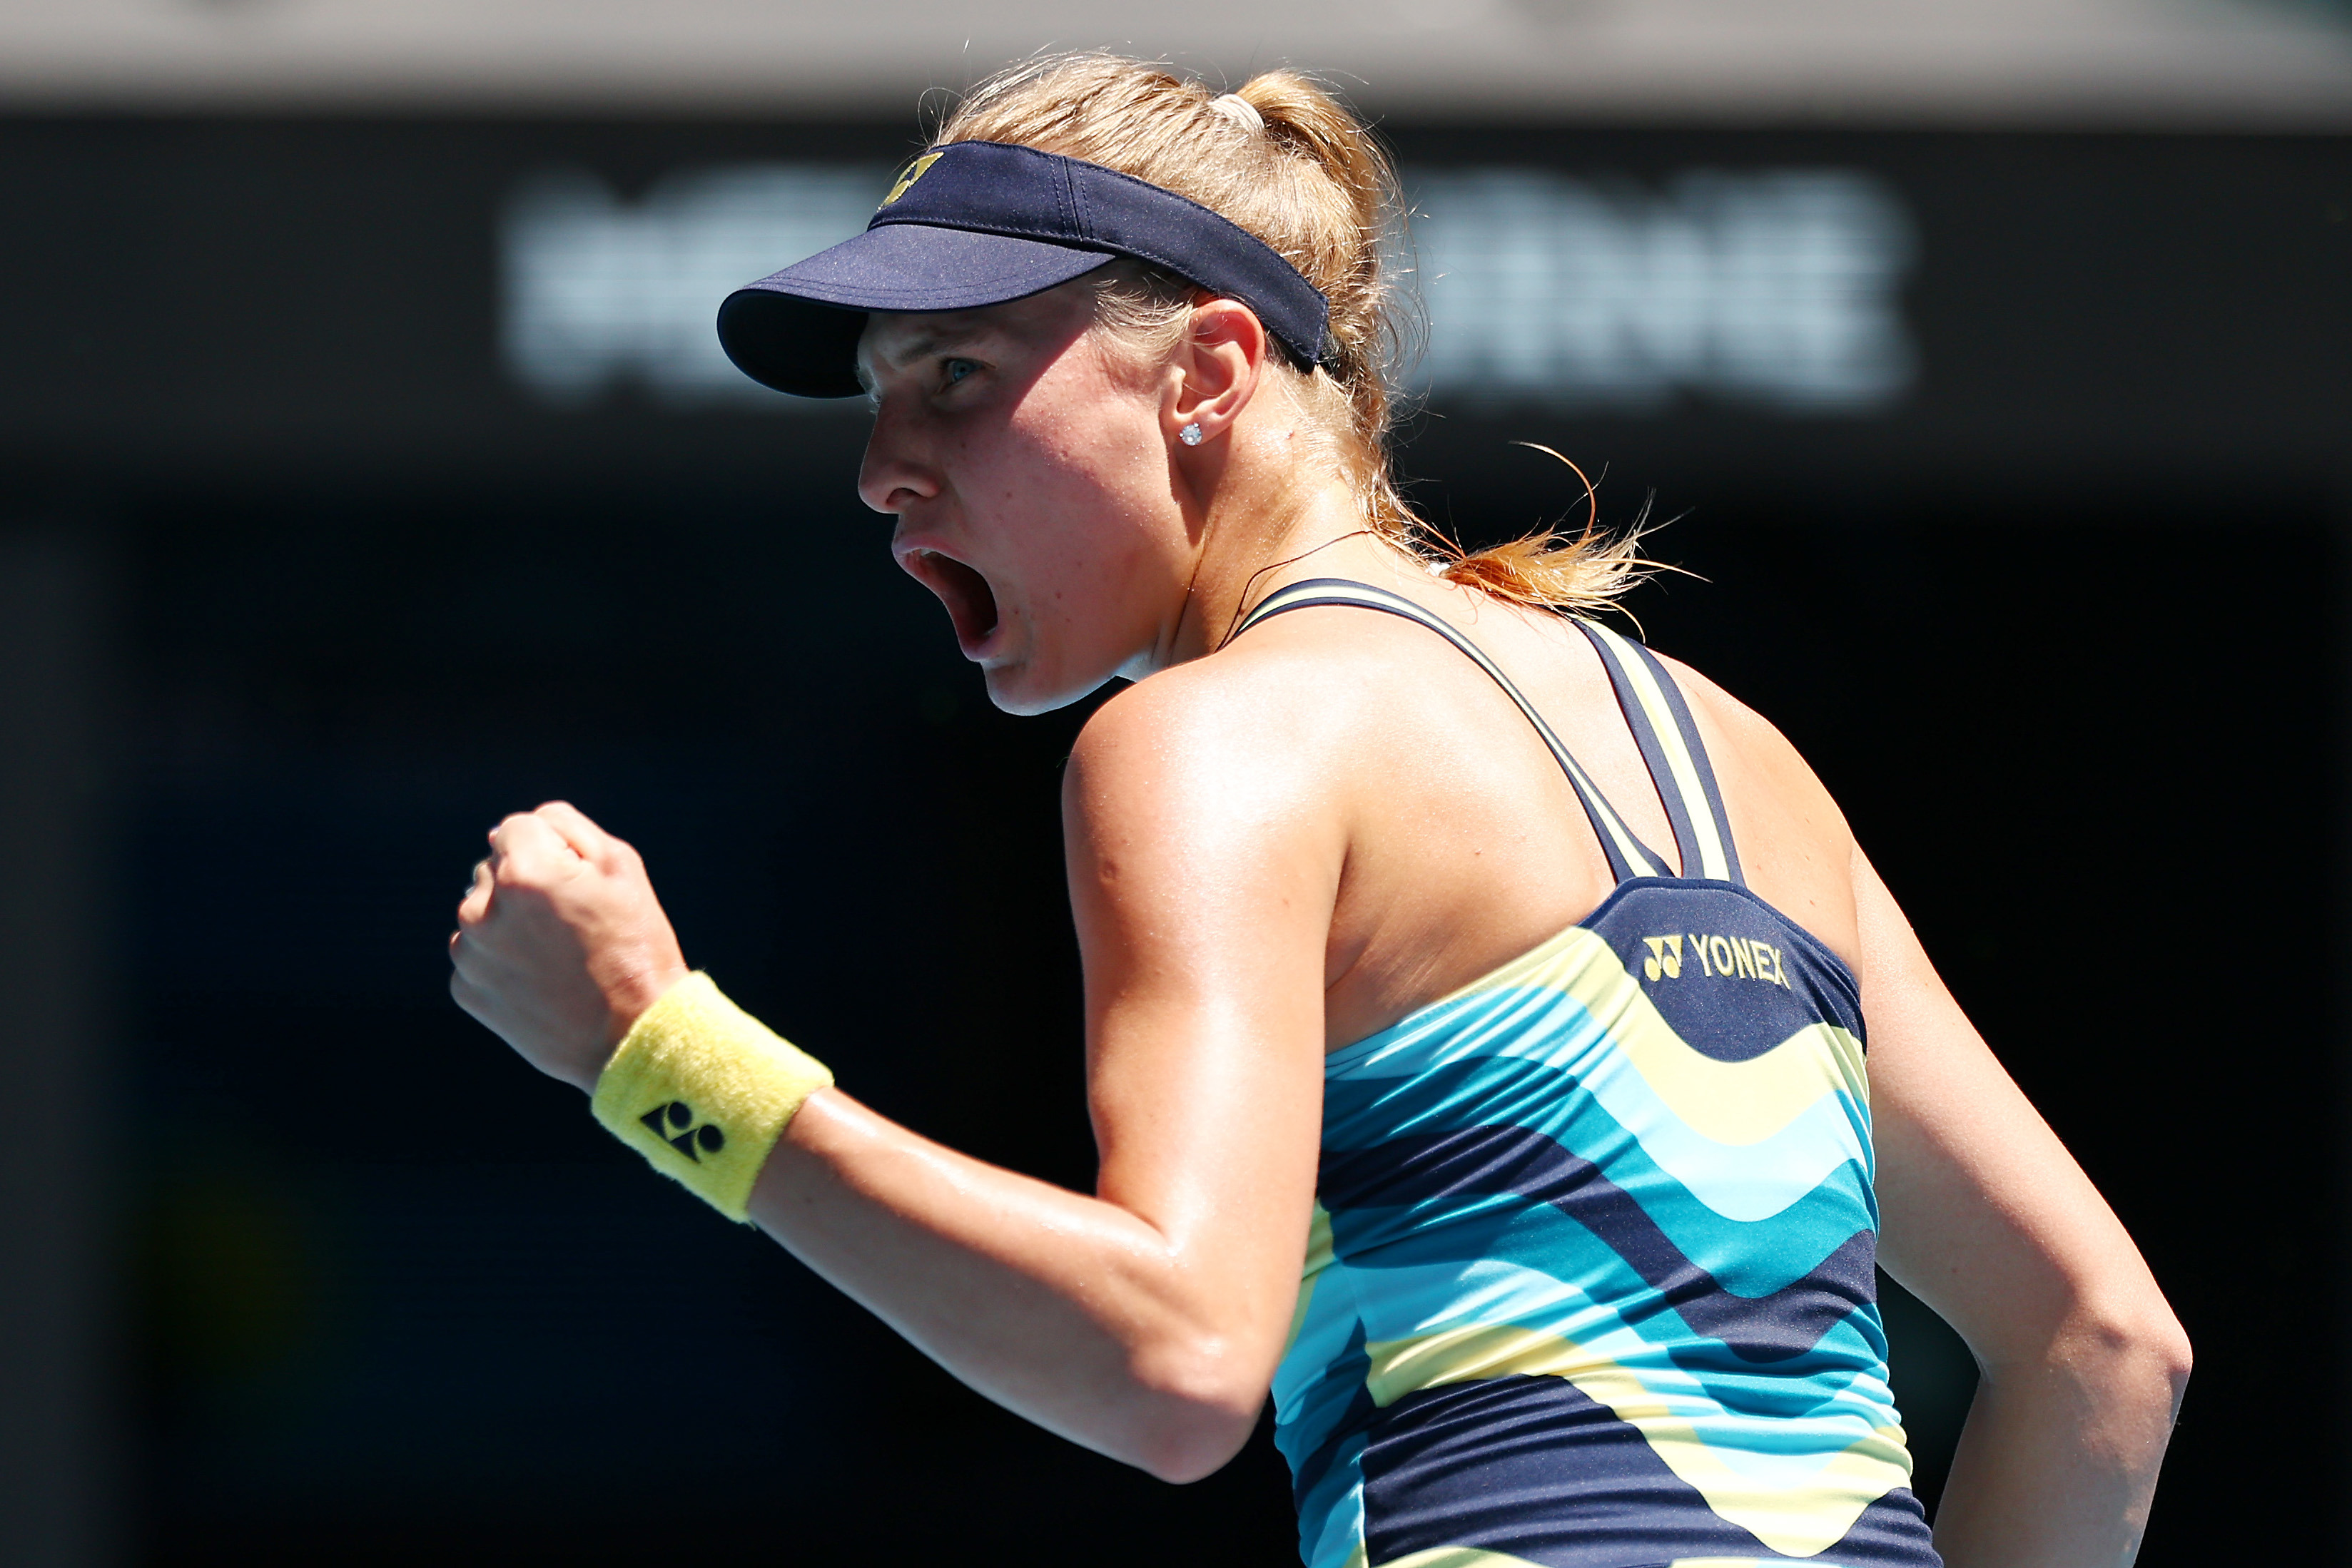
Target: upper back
point(1466, 845)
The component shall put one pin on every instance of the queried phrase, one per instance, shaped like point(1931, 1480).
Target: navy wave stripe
point(1730, 1016)
point(1536, 1467)
point(1523, 1162)
point(1540, 1241)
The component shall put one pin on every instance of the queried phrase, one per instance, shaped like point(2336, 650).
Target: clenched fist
point(561, 943)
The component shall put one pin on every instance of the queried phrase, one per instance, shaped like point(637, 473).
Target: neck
point(1300, 520)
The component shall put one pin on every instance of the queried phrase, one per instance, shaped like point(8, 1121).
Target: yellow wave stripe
point(1712, 860)
point(1794, 1523)
point(1731, 1103)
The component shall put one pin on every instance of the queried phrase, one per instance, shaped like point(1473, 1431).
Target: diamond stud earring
point(1191, 434)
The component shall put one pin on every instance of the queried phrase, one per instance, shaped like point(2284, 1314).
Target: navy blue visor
point(979, 223)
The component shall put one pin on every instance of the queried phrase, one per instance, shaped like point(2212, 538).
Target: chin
point(1014, 690)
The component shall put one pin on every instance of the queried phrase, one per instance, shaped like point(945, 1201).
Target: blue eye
point(956, 370)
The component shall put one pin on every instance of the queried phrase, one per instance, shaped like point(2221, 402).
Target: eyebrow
point(929, 341)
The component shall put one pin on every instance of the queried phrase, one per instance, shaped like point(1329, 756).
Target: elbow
point(2150, 1337)
point(2137, 1348)
point(1199, 1405)
point(2166, 1345)
point(1192, 1449)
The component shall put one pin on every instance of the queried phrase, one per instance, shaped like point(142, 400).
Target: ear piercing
point(1191, 434)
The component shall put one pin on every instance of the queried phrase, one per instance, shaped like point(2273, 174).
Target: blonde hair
point(1284, 159)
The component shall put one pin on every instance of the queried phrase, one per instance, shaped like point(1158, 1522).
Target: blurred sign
point(598, 289)
point(1779, 289)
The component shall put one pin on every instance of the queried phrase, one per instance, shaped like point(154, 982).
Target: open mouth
point(971, 603)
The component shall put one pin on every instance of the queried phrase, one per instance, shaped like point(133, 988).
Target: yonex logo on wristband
point(673, 1124)
point(713, 1083)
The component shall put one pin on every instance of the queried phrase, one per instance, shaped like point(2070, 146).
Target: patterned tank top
point(1590, 1283)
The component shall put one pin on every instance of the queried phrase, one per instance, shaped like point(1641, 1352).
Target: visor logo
point(915, 170)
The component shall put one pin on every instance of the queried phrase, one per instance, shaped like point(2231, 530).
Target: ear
point(1218, 369)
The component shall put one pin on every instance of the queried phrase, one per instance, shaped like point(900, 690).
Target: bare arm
point(1987, 1219)
point(1143, 1321)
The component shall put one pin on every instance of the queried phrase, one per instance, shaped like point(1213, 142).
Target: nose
point(893, 476)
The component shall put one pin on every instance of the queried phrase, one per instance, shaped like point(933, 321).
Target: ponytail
point(1286, 160)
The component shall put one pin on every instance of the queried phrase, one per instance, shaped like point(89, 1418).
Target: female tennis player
point(1476, 1002)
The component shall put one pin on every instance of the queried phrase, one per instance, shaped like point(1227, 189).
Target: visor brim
point(797, 330)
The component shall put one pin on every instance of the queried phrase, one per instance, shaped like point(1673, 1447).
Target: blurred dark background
point(307, 576)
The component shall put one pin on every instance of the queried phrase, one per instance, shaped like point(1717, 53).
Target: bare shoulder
point(1249, 731)
point(1730, 725)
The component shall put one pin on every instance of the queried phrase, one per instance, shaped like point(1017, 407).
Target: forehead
point(893, 336)
point(1047, 320)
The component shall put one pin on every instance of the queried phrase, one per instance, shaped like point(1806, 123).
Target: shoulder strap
point(1661, 725)
point(1627, 855)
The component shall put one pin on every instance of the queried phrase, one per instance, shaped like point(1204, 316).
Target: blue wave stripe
point(1827, 1197)
point(1331, 1515)
point(1817, 1121)
point(1531, 1166)
point(1534, 1024)
point(1313, 1382)
point(1347, 1406)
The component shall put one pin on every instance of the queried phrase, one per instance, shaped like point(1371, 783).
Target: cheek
point(1092, 552)
point(1085, 504)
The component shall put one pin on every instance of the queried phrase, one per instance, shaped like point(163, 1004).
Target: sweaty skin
point(1275, 848)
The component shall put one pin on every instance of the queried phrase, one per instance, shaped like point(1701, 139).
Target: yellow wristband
point(702, 1088)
